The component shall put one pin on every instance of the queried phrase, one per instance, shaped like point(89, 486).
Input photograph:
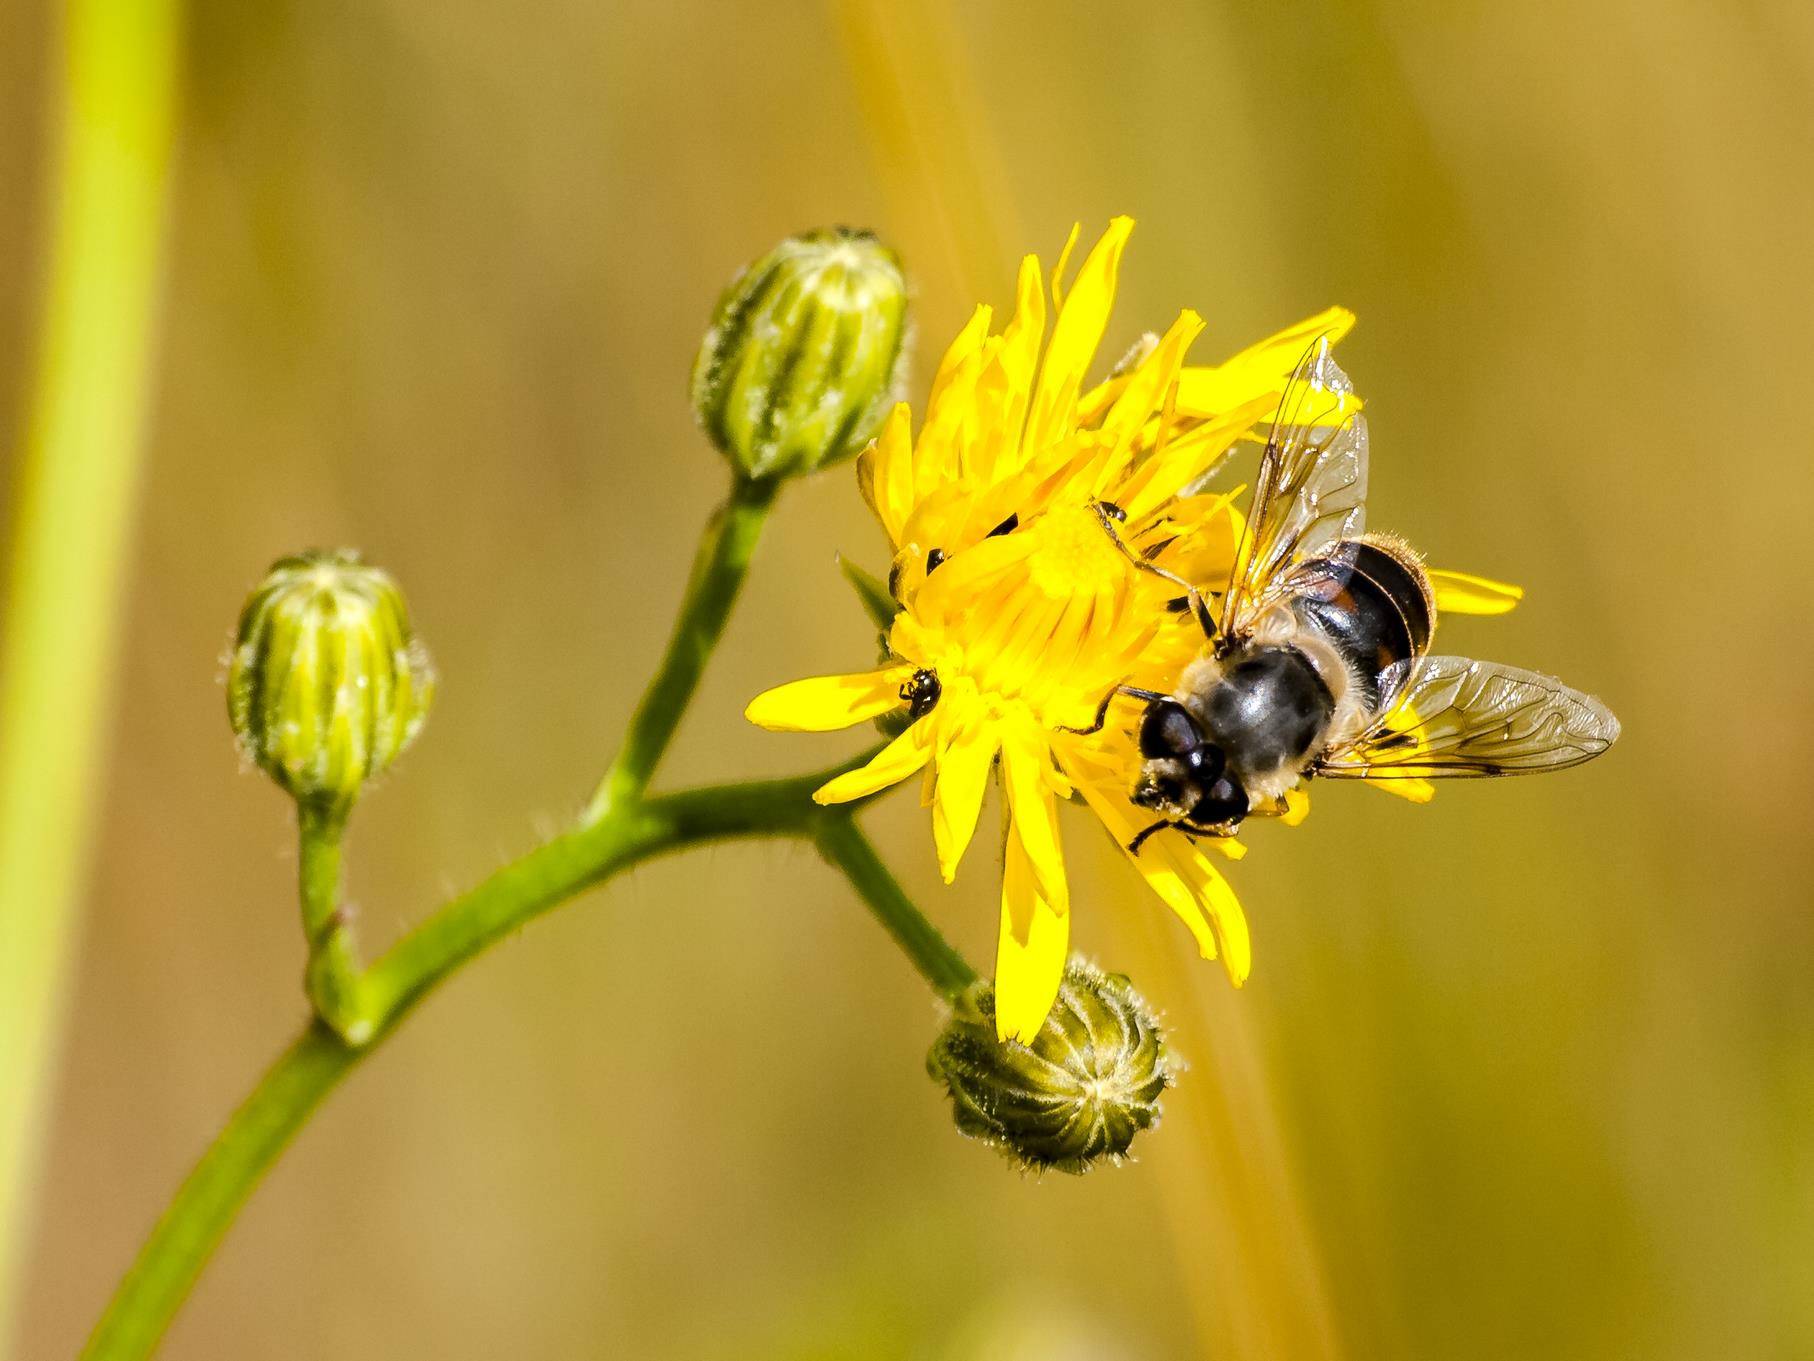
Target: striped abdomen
point(1374, 606)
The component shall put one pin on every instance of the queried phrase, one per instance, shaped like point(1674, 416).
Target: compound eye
point(1206, 763)
point(1223, 802)
point(1167, 730)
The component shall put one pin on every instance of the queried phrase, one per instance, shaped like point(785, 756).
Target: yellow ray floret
point(827, 703)
point(1460, 593)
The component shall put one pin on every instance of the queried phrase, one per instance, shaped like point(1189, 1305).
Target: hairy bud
point(327, 685)
point(1090, 1081)
point(804, 354)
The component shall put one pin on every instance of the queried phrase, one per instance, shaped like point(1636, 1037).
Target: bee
point(1319, 664)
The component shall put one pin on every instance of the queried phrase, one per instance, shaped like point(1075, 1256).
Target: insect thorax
point(1267, 707)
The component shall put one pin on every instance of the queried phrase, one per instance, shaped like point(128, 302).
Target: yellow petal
point(892, 764)
point(1025, 762)
point(1029, 952)
point(1219, 904)
point(1186, 880)
point(1459, 593)
point(1152, 378)
point(1163, 878)
point(826, 703)
point(966, 751)
point(1228, 847)
point(962, 350)
point(885, 472)
point(1081, 322)
point(1191, 885)
point(949, 597)
point(1019, 357)
point(1297, 806)
point(939, 458)
point(1189, 456)
point(1259, 369)
point(1415, 790)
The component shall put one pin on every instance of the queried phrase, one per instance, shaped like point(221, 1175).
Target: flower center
point(1074, 556)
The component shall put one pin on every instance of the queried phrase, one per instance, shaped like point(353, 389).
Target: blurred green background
point(1526, 1072)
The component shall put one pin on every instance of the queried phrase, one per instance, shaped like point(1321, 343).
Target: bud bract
point(327, 684)
point(804, 354)
point(1090, 1081)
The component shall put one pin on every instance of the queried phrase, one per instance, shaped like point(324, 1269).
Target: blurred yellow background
point(1526, 1072)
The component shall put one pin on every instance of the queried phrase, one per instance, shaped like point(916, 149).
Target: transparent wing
point(1453, 716)
point(1311, 492)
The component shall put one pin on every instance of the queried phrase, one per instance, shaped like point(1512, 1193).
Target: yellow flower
point(1019, 612)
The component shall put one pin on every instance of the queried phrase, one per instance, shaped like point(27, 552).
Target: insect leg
point(1102, 709)
point(1105, 512)
point(1133, 847)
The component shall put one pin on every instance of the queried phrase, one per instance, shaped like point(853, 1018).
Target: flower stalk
point(358, 1008)
point(208, 1201)
point(328, 685)
point(844, 846)
point(332, 977)
point(719, 569)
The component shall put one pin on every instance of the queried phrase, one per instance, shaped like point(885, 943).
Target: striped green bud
point(1090, 1081)
point(327, 685)
point(804, 354)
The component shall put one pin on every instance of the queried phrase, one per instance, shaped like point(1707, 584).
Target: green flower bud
point(1083, 1089)
point(327, 685)
point(804, 354)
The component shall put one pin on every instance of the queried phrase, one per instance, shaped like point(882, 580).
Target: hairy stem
point(719, 568)
point(114, 118)
point(331, 978)
point(320, 833)
point(620, 827)
point(206, 1204)
point(582, 857)
point(843, 844)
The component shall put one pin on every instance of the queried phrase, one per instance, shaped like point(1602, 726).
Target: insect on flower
point(1320, 662)
point(1044, 532)
point(1016, 615)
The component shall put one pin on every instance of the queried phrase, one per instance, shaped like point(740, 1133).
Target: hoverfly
point(1319, 663)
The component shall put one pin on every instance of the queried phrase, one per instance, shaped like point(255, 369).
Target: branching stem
point(205, 1205)
point(358, 1008)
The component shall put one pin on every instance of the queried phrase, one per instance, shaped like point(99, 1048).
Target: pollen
point(1074, 556)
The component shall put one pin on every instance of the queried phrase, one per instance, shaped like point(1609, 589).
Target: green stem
point(320, 836)
point(331, 978)
point(206, 1204)
point(843, 844)
point(620, 827)
point(722, 562)
point(582, 857)
point(114, 117)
